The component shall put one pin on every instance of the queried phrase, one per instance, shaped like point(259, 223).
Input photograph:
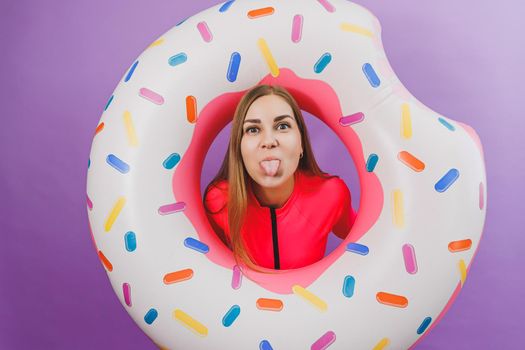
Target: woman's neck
point(274, 197)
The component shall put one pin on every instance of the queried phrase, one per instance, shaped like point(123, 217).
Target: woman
point(270, 202)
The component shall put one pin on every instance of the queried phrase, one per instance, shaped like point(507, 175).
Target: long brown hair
point(234, 171)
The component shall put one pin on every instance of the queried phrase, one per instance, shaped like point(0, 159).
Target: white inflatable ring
point(422, 178)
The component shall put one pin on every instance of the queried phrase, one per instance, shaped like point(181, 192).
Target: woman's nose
point(269, 140)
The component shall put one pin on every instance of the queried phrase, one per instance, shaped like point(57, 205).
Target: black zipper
point(275, 238)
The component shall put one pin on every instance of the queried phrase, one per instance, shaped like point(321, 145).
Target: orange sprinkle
point(99, 128)
point(178, 276)
point(269, 304)
point(392, 299)
point(457, 246)
point(191, 109)
point(265, 11)
point(105, 261)
point(411, 161)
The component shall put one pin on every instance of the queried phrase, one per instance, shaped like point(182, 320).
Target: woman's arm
point(345, 219)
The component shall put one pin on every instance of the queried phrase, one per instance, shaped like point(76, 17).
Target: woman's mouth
point(270, 167)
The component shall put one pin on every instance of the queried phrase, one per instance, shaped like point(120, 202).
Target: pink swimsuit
point(296, 234)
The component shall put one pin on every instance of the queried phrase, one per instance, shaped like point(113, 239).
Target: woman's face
point(270, 131)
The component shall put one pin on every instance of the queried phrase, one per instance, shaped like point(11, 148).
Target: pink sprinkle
point(352, 119)
point(410, 259)
point(328, 6)
point(324, 342)
point(126, 288)
point(237, 277)
point(172, 208)
point(89, 203)
point(481, 196)
point(297, 28)
point(151, 96)
point(205, 31)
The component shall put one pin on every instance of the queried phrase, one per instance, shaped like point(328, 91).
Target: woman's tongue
point(270, 166)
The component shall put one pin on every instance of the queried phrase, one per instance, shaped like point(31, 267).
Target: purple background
point(60, 62)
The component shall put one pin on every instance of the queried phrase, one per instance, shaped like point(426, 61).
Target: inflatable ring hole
point(324, 142)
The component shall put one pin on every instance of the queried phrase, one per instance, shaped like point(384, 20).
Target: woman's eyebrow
point(276, 119)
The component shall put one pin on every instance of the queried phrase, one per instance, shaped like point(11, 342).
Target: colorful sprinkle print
point(131, 70)
point(424, 325)
point(357, 248)
point(371, 75)
point(231, 316)
point(151, 96)
point(205, 32)
point(310, 297)
point(190, 323)
point(151, 316)
point(130, 241)
point(297, 28)
point(172, 160)
point(172, 208)
point(322, 62)
point(371, 162)
point(233, 67)
point(197, 245)
point(265, 11)
point(352, 119)
point(177, 59)
point(126, 290)
point(348, 286)
point(145, 149)
point(324, 342)
point(447, 180)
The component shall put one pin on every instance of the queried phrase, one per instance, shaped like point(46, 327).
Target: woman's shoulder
point(216, 196)
point(330, 185)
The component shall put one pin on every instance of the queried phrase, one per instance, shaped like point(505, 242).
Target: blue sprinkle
point(231, 316)
point(151, 316)
point(89, 162)
point(348, 286)
point(131, 70)
point(447, 124)
point(424, 325)
point(321, 64)
point(117, 163)
point(448, 179)
point(265, 345)
point(233, 67)
point(131, 241)
point(196, 245)
point(109, 102)
point(371, 75)
point(371, 162)
point(171, 161)
point(226, 6)
point(357, 248)
point(177, 59)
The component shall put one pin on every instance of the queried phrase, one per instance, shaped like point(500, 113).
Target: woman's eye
point(252, 128)
point(283, 124)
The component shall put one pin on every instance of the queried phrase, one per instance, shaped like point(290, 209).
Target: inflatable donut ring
point(422, 179)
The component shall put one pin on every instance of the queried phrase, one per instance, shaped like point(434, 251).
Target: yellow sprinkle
point(310, 297)
point(191, 323)
point(399, 216)
point(462, 271)
point(382, 344)
point(270, 61)
point(132, 135)
point(156, 42)
point(406, 121)
point(114, 213)
point(348, 27)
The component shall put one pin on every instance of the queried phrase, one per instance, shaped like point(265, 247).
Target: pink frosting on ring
point(313, 96)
